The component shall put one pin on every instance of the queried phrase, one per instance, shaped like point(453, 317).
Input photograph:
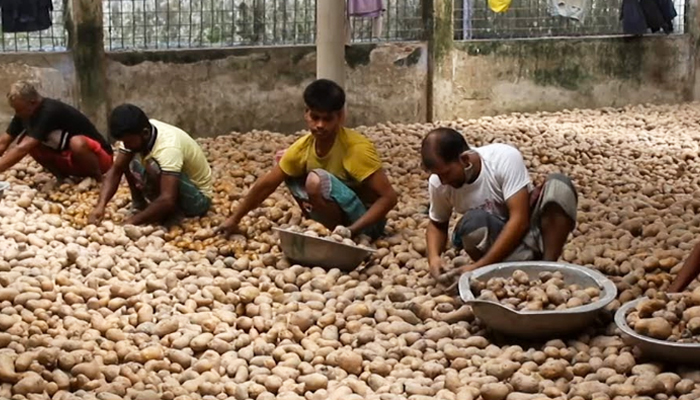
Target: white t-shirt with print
point(503, 174)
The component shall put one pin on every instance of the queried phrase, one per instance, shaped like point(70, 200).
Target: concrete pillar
point(86, 43)
point(692, 28)
point(438, 21)
point(330, 40)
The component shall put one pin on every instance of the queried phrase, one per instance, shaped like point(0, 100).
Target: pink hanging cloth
point(365, 9)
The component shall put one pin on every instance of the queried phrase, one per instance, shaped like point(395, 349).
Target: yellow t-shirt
point(352, 159)
point(176, 152)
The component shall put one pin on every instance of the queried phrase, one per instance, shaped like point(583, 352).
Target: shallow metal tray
point(661, 350)
point(320, 252)
point(538, 324)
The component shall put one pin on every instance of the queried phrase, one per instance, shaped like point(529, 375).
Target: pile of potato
point(122, 312)
point(676, 319)
point(548, 292)
point(314, 229)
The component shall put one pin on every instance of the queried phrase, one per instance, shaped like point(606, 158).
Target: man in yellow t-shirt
point(334, 173)
point(167, 171)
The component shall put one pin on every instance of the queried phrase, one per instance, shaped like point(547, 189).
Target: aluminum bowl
point(320, 252)
point(661, 350)
point(538, 324)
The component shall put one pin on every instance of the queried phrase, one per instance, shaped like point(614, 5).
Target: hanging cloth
point(632, 16)
point(654, 17)
point(499, 6)
point(365, 9)
point(574, 9)
point(25, 15)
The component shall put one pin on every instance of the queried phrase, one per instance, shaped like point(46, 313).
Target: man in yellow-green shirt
point(334, 173)
point(167, 172)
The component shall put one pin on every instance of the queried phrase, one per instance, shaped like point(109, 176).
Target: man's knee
point(475, 219)
point(78, 144)
point(476, 231)
point(152, 169)
point(317, 185)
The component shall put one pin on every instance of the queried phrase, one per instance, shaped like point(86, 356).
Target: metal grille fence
point(51, 39)
point(163, 24)
point(531, 18)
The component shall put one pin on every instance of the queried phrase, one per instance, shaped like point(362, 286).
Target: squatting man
point(505, 218)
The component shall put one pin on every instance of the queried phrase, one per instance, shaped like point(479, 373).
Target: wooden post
point(330, 40)
point(86, 43)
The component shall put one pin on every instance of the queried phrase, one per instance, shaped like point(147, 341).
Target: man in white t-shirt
point(504, 217)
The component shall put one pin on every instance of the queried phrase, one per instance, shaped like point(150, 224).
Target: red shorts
point(64, 163)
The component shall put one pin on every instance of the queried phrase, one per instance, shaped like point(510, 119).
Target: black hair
point(442, 144)
point(324, 95)
point(127, 119)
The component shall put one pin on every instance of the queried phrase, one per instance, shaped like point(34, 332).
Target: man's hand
point(96, 216)
point(343, 232)
point(451, 278)
point(435, 266)
point(229, 227)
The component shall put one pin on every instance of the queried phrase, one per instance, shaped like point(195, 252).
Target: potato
point(522, 293)
point(657, 328)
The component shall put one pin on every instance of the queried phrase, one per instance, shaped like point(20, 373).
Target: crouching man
point(170, 178)
point(504, 217)
point(334, 173)
point(57, 136)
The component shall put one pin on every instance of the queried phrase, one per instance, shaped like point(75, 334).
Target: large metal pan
point(321, 252)
point(538, 324)
point(661, 350)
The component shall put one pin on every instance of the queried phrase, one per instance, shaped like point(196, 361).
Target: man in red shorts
point(56, 135)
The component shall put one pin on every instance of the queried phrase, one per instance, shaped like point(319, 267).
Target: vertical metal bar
point(295, 22)
point(201, 22)
point(145, 25)
point(189, 42)
point(284, 21)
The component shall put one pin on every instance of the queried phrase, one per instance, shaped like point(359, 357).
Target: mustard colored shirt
point(352, 159)
point(177, 152)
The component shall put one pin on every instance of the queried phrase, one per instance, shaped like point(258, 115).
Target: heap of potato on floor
point(115, 312)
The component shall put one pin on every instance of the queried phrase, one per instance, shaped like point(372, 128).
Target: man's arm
point(17, 153)
point(690, 271)
point(163, 205)
point(379, 183)
point(5, 141)
point(436, 240)
point(111, 182)
point(261, 190)
point(513, 231)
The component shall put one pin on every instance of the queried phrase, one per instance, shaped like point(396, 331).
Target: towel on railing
point(574, 9)
point(365, 8)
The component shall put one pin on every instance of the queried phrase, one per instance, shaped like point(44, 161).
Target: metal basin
point(320, 252)
point(538, 324)
point(661, 350)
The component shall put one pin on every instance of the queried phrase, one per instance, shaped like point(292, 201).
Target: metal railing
point(473, 19)
point(165, 24)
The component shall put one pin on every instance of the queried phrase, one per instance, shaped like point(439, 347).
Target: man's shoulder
point(498, 151)
point(435, 182)
point(166, 128)
point(353, 137)
point(55, 107)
